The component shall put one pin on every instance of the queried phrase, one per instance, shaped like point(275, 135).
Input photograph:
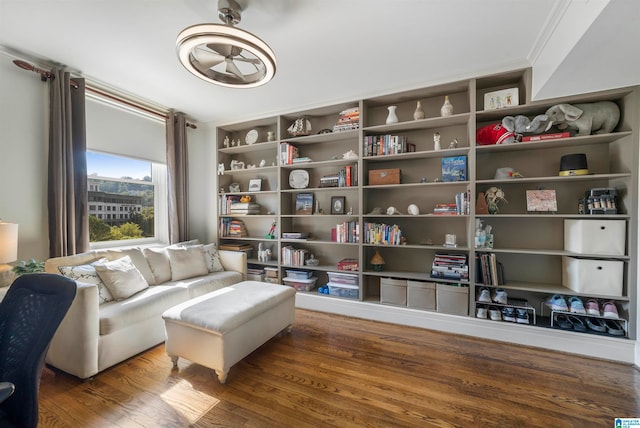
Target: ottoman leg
point(289, 328)
point(174, 360)
point(222, 375)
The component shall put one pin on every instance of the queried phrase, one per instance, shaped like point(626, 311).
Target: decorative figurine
point(493, 196)
point(424, 180)
point(350, 155)
point(271, 234)
point(262, 163)
point(453, 144)
point(271, 136)
point(413, 209)
point(226, 141)
point(377, 262)
point(221, 169)
point(436, 141)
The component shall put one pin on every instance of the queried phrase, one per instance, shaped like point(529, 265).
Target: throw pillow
point(88, 275)
point(212, 258)
point(158, 259)
point(187, 262)
point(121, 277)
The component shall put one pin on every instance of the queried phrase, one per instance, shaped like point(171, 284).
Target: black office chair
point(30, 314)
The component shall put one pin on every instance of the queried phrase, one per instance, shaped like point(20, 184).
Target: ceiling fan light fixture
point(226, 55)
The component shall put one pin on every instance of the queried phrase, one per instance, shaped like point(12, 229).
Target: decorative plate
point(298, 179)
point(252, 137)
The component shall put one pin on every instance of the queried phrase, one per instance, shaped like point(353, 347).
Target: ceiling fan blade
point(207, 58)
point(224, 50)
point(251, 60)
point(233, 69)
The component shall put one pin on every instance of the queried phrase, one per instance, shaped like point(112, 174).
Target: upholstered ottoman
point(220, 328)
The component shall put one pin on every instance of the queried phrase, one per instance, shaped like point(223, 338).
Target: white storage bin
point(421, 295)
point(451, 299)
point(593, 276)
point(393, 291)
point(605, 237)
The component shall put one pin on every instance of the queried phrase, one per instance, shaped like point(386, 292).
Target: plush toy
point(522, 125)
point(589, 118)
point(494, 134)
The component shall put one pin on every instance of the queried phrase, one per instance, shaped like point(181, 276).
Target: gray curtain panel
point(67, 192)
point(177, 177)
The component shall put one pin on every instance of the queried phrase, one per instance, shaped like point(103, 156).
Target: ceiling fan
point(226, 55)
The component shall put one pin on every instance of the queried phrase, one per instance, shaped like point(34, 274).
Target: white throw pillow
point(121, 277)
point(158, 259)
point(88, 275)
point(212, 258)
point(187, 262)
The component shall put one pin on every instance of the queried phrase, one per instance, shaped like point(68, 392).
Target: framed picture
point(255, 184)
point(304, 203)
point(337, 204)
point(542, 201)
point(501, 99)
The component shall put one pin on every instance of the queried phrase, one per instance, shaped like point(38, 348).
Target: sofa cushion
point(121, 277)
point(200, 285)
point(187, 262)
point(212, 258)
point(149, 303)
point(158, 260)
point(87, 274)
point(137, 257)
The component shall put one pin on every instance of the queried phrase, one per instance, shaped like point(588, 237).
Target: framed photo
point(337, 204)
point(255, 184)
point(542, 201)
point(501, 99)
point(304, 203)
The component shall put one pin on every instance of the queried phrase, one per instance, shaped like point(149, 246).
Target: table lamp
point(8, 251)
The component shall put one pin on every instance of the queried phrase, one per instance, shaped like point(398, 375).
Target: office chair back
point(30, 314)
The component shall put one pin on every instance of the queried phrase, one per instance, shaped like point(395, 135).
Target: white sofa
point(96, 335)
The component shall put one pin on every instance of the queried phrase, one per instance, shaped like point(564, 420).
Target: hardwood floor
point(346, 372)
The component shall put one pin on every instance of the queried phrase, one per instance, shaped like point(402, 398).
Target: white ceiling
point(331, 50)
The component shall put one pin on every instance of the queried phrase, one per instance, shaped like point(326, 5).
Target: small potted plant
point(30, 266)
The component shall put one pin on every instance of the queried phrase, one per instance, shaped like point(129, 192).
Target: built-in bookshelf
point(420, 205)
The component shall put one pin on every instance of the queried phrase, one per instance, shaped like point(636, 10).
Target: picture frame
point(304, 204)
point(255, 184)
point(501, 99)
point(542, 201)
point(338, 204)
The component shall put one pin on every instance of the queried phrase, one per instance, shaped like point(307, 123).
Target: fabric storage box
point(421, 295)
point(606, 237)
point(272, 280)
point(593, 276)
point(393, 291)
point(384, 176)
point(344, 290)
point(271, 272)
point(255, 277)
point(301, 284)
point(451, 299)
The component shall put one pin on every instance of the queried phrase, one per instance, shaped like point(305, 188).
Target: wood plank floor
point(336, 371)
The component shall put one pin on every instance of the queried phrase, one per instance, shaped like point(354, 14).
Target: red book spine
point(348, 169)
point(546, 136)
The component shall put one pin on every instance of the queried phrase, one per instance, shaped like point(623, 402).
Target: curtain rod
point(46, 75)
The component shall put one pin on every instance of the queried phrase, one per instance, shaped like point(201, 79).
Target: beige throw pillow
point(121, 277)
point(212, 258)
point(187, 262)
point(88, 275)
point(158, 259)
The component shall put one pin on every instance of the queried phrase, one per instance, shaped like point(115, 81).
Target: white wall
point(23, 157)
point(202, 183)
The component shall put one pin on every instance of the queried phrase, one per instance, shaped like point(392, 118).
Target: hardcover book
point(454, 168)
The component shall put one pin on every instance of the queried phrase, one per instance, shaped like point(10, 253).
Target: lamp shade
point(8, 242)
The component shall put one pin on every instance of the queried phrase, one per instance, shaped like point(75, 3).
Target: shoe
point(557, 303)
point(593, 308)
point(614, 328)
point(596, 324)
point(494, 313)
point(609, 310)
point(576, 306)
point(509, 314)
point(485, 295)
point(563, 322)
point(481, 312)
point(522, 316)
point(500, 296)
point(576, 323)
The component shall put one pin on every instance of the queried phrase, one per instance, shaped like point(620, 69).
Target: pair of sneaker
point(609, 309)
point(520, 315)
point(499, 296)
point(490, 312)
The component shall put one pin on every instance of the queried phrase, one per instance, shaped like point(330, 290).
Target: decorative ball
point(413, 209)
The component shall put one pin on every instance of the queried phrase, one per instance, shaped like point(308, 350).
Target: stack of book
point(381, 145)
point(348, 231)
point(489, 271)
point(225, 203)
point(295, 235)
point(349, 119)
point(288, 152)
point(382, 234)
point(244, 208)
point(450, 266)
point(293, 256)
point(459, 207)
point(247, 248)
point(330, 180)
point(232, 228)
point(446, 209)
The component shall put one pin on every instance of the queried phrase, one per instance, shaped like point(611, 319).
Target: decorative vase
point(447, 107)
point(418, 113)
point(271, 136)
point(392, 117)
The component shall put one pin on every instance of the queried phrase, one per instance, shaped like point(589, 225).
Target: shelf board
point(422, 276)
point(324, 138)
point(419, 155)
point(431, 122)
point(418, 247)
point(405, 185)
point(557, 178)
point(333, 216)
point(557, 216)
point(316, 242)
point(559, 142)
point(261, 192)
point(253, 171)
point(550, 253)
point(554, 289)
point(320, 189)
point(269, 263)
point(320, 164)
point(428, 215)
point(249, 215)
point(266, 145)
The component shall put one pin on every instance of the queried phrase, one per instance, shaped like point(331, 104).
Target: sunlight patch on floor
point(189, 402)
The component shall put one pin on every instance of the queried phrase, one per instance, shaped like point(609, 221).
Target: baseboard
point(608, 348)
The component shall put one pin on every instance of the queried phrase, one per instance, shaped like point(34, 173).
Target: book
point(304, 203)
point(454, 168)
point(542, 137)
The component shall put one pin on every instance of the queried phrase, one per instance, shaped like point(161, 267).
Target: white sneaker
point(495, 314)
point(500, 296)
point(485, 295)
point(481, 312)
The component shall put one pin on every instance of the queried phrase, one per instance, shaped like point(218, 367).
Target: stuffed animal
point(522, 125)
point(494, 134)
point(590, 118)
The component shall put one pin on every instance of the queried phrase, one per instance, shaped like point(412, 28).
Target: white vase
point(447, 107)
point(392, 117)
point(418, 113)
